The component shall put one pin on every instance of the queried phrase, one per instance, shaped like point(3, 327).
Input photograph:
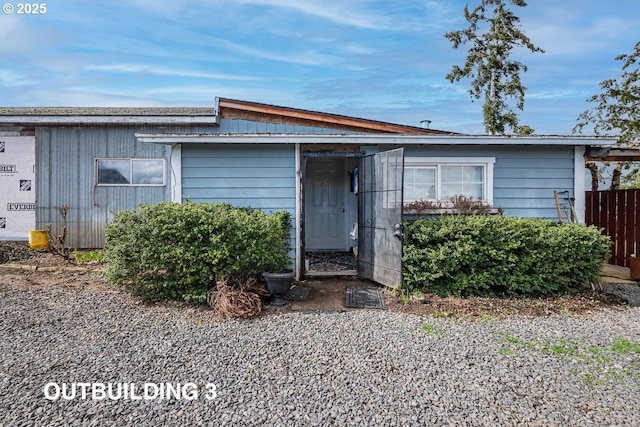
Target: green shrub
point(495, 255)
point(176, 251)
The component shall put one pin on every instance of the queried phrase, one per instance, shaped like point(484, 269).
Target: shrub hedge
point(483, 255)
point(176, 251)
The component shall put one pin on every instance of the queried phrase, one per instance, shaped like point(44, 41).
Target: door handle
point(399, 231)
point(342, 210)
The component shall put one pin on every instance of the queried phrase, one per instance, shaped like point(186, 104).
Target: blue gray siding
point(524, 176)
point(251, 175)
point(257, 176)
point(244, 126)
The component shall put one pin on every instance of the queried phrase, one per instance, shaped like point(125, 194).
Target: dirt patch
point(329, 294)
point(43, 270)
point(29, 279)
point(24, 268)
point(433, 305)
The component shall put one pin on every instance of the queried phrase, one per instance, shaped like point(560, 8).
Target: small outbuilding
point(345, 180)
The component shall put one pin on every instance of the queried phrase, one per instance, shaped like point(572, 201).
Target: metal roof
point(102, 115)
point(105, 111)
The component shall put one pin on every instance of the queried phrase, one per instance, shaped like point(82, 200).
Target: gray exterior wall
point(524, 176)
point(65, 175)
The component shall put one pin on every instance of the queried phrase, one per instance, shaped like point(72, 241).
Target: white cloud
point(341, 12)
point(22, 37)
point(161, 71)
point(579, 30)
point(304, 58)
point(556, 93)
point(197, 93)
point(11, 78)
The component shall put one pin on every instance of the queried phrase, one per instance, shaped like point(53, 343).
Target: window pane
point(114, 171)
point(444, 182)
point(409, 175)
point(150, 172)
point(419, 183)
point(424, 175)
point(451, 174)
point(409, 190)
point(473, 190)
point(447, 191)
point(426, 191)
point(472, 174)
point(465, 180)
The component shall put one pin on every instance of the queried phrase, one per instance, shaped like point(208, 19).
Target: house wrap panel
point(17, 187)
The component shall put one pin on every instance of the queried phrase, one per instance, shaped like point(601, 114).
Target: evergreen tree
point(488, 65)
point(617, 111)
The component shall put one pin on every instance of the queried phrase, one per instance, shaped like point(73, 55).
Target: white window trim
point(486, 162)
point(131, 161)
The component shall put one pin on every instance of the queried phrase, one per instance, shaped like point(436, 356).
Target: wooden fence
point(617, 213)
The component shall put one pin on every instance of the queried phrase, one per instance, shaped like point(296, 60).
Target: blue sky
point(383, 60)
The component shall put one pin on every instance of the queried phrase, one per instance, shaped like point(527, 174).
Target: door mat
point(298, 293)
point(365, 297)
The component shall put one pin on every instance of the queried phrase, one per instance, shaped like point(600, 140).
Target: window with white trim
point(130, 172)
point(440, 178)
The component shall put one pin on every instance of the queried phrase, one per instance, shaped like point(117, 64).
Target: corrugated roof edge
point(107, 111)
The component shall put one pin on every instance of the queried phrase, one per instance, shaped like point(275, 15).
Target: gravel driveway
point(328, 368)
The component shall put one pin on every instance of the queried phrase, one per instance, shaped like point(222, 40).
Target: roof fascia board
point(63, 120)
point(321, 117)
point(368, 139)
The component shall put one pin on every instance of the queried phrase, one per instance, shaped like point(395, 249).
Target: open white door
point(380, 231)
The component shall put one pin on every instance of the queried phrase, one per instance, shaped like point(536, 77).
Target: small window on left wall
point(130, 172)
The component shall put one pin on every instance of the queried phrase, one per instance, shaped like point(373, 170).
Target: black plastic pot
point(278, 285)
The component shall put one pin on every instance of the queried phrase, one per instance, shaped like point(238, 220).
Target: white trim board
point(372, 139)
point(579, 172)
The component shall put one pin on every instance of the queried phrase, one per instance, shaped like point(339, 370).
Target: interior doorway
point(330, 203)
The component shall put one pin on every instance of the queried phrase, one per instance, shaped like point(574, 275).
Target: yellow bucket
point(38, 240)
